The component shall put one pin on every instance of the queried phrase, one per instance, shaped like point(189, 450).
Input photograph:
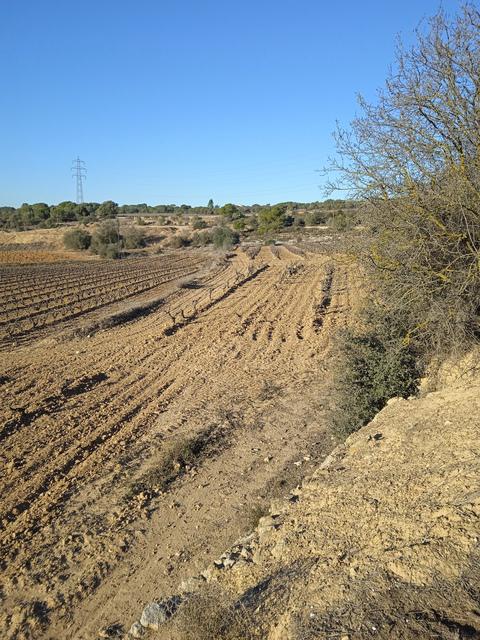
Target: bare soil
point(231, 365)
point(381, 542)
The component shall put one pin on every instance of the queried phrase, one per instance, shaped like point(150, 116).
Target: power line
point(79, 171)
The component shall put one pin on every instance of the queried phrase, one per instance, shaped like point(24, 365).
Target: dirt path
point(88, 531)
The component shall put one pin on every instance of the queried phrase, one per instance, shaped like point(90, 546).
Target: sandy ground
point(87, 536)
point(381, 542)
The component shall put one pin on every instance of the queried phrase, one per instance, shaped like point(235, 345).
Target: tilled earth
point(232, 367)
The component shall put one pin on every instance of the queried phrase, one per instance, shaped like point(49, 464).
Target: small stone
point(266, 522)
point(136, 630)
point(209, 572)
point(229, 561)
point(191, 584)
point(154, 615)
point(111, 631)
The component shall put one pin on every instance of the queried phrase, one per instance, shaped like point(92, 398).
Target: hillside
point(382, 540)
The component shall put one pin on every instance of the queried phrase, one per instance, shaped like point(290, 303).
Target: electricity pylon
point(79, 171)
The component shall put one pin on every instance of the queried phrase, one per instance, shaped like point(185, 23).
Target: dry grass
point(213, 614)
point(177, 456)
point(253, 514)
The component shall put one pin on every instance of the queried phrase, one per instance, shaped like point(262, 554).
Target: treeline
point(42, 215)
point(340, 215)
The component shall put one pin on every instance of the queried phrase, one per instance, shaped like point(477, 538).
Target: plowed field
point(230, 365)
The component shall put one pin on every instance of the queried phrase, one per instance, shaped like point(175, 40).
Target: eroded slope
point(382, 541)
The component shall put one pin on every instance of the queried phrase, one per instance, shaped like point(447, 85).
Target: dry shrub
point(413, 156)
point(213, 614)
point(253, 513)
point(176, 455)
point(383, 607)
point(178, 242)
point(77, 239)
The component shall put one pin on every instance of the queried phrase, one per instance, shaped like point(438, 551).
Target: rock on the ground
point(136, 630)
point(157, 613)
point(189, 585)
point(154, 615)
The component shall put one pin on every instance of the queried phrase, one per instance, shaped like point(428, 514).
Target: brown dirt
point(383, 540)
point(36, 297)
point(34, 257)
point(88, 530)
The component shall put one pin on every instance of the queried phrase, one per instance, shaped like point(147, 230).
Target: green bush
point(177, 242)
point(341, 220)
point(77, 239)
point(230, 211)
point(106, 240)
point(239, 225)
point(199, 223)
point(373, 365)
point(202, 239)
point(313, 218)
point(107, 209)
point(133, 238)
point(224, 238)
point(273, 219)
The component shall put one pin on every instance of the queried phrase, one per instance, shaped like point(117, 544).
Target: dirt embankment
point(381, 542)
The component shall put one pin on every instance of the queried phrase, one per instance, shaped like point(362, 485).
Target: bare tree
point(414, 157)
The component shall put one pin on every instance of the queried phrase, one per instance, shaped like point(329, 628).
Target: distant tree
point(230, 211)
point(341, 220)
point(272, 219)
point(40, 211)
point(313, 218)
point(202, 238)
point(133, 238)
point(224, 238)
point(107, 209)
point(64, 212)
point(210, 204)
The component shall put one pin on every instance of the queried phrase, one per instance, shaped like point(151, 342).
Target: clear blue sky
point(172, 101)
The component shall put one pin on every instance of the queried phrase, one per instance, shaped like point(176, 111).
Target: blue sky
point(172, 101)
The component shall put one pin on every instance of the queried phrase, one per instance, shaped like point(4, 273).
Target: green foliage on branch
point(413, 156)
point(374, 364)
point(273, 219)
